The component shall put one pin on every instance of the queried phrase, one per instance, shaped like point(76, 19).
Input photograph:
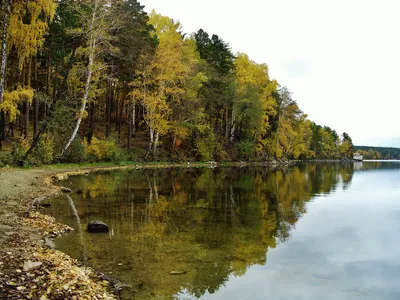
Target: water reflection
point(205, 225)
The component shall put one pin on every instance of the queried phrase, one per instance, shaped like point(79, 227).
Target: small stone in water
point(97, 227)
point(177, 272)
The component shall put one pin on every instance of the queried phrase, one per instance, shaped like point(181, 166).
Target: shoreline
point(22, 240)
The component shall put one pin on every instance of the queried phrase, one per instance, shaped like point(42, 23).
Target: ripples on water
point(312, 231)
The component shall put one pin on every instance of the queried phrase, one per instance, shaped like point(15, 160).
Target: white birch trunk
point(7, 12)
point(151, 140)
point(3, 65)
point(157, 137)
point(92, 50)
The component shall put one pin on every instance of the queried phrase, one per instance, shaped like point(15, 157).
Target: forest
point(378, 152)
point(102, 80)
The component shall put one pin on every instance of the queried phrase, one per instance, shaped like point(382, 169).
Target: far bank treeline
point(370, 152)
point(97, 80)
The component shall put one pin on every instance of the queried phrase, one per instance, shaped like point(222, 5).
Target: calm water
point(325, 231)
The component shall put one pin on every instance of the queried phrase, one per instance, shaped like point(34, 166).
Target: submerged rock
point(177, 272)
point(97, 227)
point(65, 189)
point(49, 243)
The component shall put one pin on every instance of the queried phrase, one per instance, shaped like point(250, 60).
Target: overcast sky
point(341, 59)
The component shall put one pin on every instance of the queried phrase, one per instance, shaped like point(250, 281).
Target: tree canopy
point(101, 80)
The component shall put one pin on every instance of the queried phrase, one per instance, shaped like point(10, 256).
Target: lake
point(309, 231)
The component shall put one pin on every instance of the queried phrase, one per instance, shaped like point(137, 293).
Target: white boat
point(358, 157)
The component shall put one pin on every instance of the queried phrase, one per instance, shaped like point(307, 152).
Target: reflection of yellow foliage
point(208, 224)
point(159, 208)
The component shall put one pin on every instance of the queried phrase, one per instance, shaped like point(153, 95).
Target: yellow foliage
point(28, 36)
point(13, 98)
point(103, 150)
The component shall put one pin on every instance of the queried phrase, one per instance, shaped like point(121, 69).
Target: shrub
point(76, 153)
point(19, 150)
point(220, 152)
point(5, 159)
point(44, 151)
point(104, 150)
point(206, 145)
point(245, 149)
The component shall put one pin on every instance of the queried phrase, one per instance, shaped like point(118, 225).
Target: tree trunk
point(51, 109)
point(227, 122)
point(277, 133)
point(7, 11)
point(83, 106)
point(35, 103)
point(155, 144)
point(232, 135)
point(92, 49)
point(129, 132)
point(121, 112)
point(92, 121)
point(27, 105)
point(149, 151)
point(133, 119)
point(49, 66)
point(108, 109)
point(116, 113)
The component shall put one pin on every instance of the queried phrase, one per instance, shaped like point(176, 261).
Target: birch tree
point(6, 14)
point(96, 32)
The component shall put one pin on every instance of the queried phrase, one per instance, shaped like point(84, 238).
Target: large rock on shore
point(97, 227)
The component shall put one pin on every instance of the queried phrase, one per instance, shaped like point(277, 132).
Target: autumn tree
point(293, 131)
point(26, 32)
point(96, 35)
point(161, 82)
point(346, 148)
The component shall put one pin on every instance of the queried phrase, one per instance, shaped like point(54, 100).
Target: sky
point(341, 58)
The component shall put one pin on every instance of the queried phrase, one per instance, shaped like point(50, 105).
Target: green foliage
point(61, 123)
point(206, 145)
point(76, 153)
point(44, 151)
point(220, 152)
point(18, 150)
point(103, 150)
point(245, 149)
point(5, 159)
point(370, 152)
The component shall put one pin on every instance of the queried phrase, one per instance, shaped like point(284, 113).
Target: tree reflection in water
point(205, 223)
